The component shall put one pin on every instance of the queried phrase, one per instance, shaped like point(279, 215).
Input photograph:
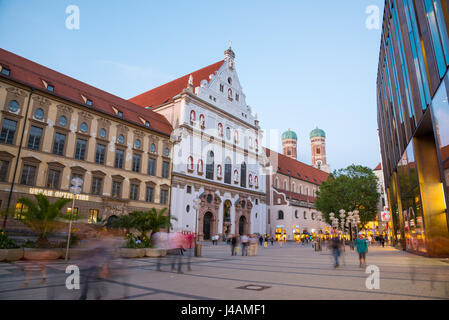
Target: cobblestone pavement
point(290, 272)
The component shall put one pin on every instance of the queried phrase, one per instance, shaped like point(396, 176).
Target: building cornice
point(74, 104)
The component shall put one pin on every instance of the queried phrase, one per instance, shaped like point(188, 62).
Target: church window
point(228, 133)
point(230, 80)
point(318, 151)
point(210, 166)
point(237, 97)
point(243, 175)
point(228, 171)
point(281, 215)
point(221, 88)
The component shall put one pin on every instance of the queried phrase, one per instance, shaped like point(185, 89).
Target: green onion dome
point(317, 133)
point(289, 134)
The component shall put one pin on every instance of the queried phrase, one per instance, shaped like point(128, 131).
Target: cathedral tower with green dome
point(318, 144)
point(289, 144)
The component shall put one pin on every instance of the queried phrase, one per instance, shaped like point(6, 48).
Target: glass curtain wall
point(440, 113)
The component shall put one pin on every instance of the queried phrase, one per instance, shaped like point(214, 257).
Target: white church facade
point(218, 174)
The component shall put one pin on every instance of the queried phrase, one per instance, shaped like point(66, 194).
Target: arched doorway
point(207, 225)
point(242, 225)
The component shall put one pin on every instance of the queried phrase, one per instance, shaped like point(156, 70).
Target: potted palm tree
point(145, 223)
point(41, 216)
point(157, 221)
point(9, 250)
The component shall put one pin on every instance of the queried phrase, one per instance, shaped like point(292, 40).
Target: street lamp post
point(350, 224)
point(357, 221)
point(342, 217)
point(196, 206)
point(75, 189)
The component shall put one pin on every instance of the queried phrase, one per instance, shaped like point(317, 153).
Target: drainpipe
point(18, 157)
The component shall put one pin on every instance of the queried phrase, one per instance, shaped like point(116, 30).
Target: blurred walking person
point(160, 241)
point(335, 245)
point(244, 240)
point(362, 249)
point(176, 244)
point(95, 267)
point(234, 245)
point(382, 241)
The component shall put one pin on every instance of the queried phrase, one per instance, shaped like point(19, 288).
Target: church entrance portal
point(207, 225)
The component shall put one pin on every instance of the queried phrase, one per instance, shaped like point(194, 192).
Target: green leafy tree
point(352, 188)
point(41, 216)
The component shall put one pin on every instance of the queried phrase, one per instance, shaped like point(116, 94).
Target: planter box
point(42, 254)
point(155, 253)
point(132, 253)
point(11, 254)
point(75, 253)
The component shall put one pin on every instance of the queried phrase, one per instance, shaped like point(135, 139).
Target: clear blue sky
point(301, 63)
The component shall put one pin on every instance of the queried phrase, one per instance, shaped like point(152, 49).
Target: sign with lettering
point(385, 215)
point(58, 194)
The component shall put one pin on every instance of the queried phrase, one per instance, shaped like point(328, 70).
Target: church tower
point(318, 144)
point(289, 144)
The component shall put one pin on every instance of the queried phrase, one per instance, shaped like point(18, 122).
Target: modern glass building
point(413, 121)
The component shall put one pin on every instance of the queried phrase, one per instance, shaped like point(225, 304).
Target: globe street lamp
point(74, 189)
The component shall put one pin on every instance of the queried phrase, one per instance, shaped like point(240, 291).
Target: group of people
point(360, 243)
point(248, 243)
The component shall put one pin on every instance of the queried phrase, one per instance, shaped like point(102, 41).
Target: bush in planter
point(5, 242)
point(29, 244)
point(41, 216)
point(135, 242)
point(9, 250)
point(143, 222)
point(151, 220)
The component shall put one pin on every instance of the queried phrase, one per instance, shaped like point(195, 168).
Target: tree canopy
point(352, 188)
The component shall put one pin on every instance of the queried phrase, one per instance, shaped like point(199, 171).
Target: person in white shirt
point(244, 241)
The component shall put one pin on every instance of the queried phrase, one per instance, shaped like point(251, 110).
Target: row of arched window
point(281, 215)
point(293, 188)
point(229, 176)
point(220, 131)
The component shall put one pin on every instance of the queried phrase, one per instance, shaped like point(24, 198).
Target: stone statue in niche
point(230, 94)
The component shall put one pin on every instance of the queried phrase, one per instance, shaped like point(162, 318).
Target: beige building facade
point(55, 128)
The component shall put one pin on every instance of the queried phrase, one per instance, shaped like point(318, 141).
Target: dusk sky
point(301, 63)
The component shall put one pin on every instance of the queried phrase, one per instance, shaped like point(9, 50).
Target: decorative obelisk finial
point(230, 56)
